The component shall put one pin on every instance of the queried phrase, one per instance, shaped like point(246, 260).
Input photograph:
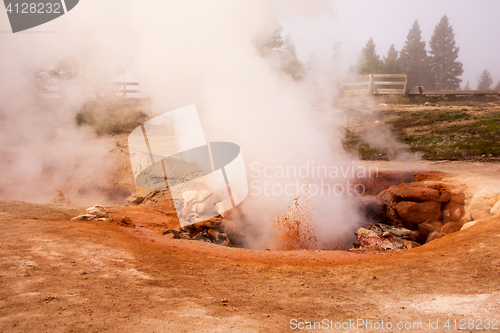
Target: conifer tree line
point(437, 68)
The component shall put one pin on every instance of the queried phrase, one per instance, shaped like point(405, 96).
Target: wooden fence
point(420, 91)
point(396, 84)
point(375, 84)
point(122, 88)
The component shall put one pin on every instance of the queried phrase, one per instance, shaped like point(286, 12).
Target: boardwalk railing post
point(405, 87)
point(370, 84)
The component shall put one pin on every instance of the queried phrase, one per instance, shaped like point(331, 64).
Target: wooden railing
point(396, 84)
point(123, 90)
point(375, 84)
point(420, 91)
point(115, 89)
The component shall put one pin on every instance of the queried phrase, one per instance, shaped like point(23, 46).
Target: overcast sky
point(476, 25)
point(317, 25)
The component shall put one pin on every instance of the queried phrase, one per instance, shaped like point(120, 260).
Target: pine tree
point(467, 86)
point(290, 63)
point(485, 81)
point(280, 52)
point(271, 43)
point(369, 63)
point(391, 63)
point(444, 54)
point(414, 59)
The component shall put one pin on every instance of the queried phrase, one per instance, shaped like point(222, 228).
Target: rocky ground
point(59, 275)
point(120, 271)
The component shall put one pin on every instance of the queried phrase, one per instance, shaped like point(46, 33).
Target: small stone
point(214, 233)
point(400, 232)
point(411, 244)
point(213, 223)
point(47, 299)
point(468, 225)
point(221, 239)
point(426, 228)
point(435, 235)
point(202, 236)
point(184, 235)
point(84, 217)
point(495, 210)
point(172, 233)
point(126, 222)
point(82, 272)
point(450, 228)
point(134, 200)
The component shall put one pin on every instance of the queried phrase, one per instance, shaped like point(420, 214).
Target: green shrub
point(112, 116)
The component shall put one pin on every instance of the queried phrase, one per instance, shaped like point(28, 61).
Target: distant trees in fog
point(437, 68)
point(444, 67)
point(370, 61)
point(414, 59)
point(434, 69)
point(280, 51)
point(485, 81)
point(391, 63)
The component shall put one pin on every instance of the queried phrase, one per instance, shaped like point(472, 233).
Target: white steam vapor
point(182, 52)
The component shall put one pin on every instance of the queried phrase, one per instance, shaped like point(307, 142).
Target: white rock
point(84, 217)
point(199, 202)
point(97, 211)
point(482, 203)
point(468, 225)
point(198, 196)
point(495, 210)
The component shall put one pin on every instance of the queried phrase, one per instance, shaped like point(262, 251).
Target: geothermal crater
point(401, 211)
point(122, 270)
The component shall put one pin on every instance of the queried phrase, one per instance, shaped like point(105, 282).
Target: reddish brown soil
point(58, 275)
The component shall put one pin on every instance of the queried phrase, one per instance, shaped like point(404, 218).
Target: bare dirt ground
point(58, 275)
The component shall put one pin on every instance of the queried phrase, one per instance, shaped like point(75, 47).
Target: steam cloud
point(183, 53)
